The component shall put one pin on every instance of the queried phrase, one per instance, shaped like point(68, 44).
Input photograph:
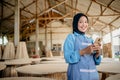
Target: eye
point(80, 22)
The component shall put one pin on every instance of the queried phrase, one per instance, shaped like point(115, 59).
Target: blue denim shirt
point(71, 54)
point(72, 46)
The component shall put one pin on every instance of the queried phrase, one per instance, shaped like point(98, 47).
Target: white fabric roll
point(21, 51)
point(9, 51)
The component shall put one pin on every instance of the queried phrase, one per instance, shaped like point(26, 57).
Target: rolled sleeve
point(70, 54)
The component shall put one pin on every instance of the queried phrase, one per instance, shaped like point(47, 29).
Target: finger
point(99, 44)
point(96, 48)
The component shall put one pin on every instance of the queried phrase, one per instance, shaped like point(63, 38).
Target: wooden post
point(37, 48)
point(51, 38)
point(101, 35)
point(45, 32)
point(45, 37)
point(17, 23)
point(112, 48)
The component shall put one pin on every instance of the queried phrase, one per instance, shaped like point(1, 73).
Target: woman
point(80, 52)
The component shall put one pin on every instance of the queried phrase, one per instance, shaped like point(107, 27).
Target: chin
point(83, 31)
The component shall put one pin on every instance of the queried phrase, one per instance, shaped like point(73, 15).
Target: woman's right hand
point(90, 49)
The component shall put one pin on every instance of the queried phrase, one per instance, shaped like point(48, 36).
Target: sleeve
point(70, 54)
point(97, 60)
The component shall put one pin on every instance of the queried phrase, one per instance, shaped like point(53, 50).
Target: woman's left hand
point(97, 47)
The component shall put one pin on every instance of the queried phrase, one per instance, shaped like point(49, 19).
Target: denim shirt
point(78, 64)
point(71, 54)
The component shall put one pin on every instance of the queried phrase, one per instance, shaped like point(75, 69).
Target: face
point(83, 24)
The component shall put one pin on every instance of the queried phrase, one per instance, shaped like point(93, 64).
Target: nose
point(83, 24)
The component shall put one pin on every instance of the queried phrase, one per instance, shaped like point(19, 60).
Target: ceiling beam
point(103, 15)
point(76, 5)
point(43, 18)
point(28, 4)
point(115, 19)
point(7, 6)
point(8, 3)
point(63, 5)
point(28, 11)
point(47, 10)
point(106, 6)
point(72, 7)
point(103, 10)
point(6, 18)
point(89, 7)
point(106, 23)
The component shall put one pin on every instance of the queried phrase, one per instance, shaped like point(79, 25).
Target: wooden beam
point(9, 3)
point(41, 23)
point(114, 19)
point(106, 23)
point(64, 5)
point(46, 18)
point(103, 15)
point(41, 18)
point(89, 7)
point(6, 18)
point(28, 4)
point(101, 9)
point(76, 5)
point(106, 6)
point(47, 10)
point(104, 9)
point(7, 6)
point(55, 32)
point(28, 11)
point(72, 7)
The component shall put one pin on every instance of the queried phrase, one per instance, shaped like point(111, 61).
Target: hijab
point(75, 22)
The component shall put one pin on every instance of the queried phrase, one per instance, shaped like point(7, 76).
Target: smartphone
point(97, 41)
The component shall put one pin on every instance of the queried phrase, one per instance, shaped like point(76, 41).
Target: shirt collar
point(76, 34)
